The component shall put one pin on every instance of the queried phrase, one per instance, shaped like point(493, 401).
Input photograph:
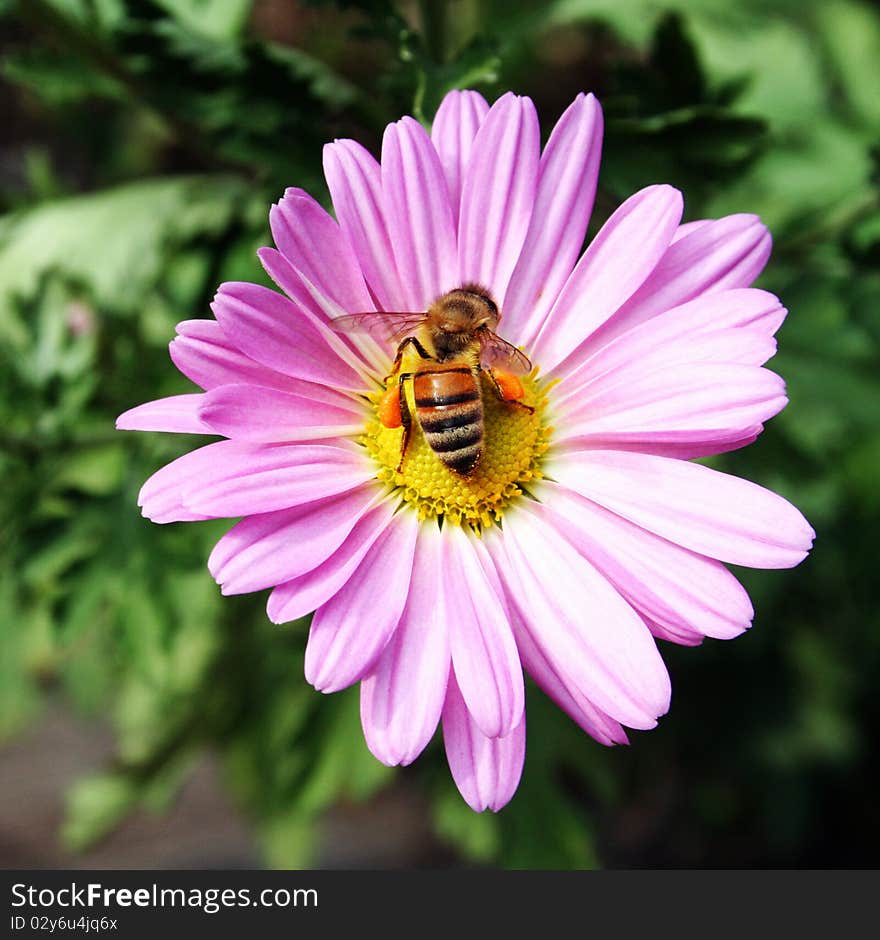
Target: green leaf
point(115, 241)
point(288, 840)
point(19, 701)
point(97, 471)
point(476, 66)
point(542, 829)
point(72, 545)
point(325, 84)
point(851, 34)
point(94, 807)
point(58, 80)
point(343, 765)
point(476, 835)
point(213, 19)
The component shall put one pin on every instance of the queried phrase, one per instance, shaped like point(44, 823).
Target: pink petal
point(670, 586)
point(179, 413)
point(205, 355)
point(314, 244)
point(693, 450)
point(738, 308)
point(455, 126)
point(302, 595)
point(720, 255)
point(617, 262)
point(731, 326)
point(257, 478)
point(419, 213)
point(749, 347)
point(681, 450)
point(498, 194)
point(271, 330)
point(355, 183)
point(563, 692)
point(681, 636)
point(251, 413)
point(483, 649)
point(581, 625)
point(350, 631)
point(704, 402)
point(709, 512)
point(564, 200)
point(486, 770)
point(231, 478)
point(358, 351)
point(267, 550)
point(688, 228)
point(401, 700)
point(161, 497)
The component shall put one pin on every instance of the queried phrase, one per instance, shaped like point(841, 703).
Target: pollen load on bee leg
point(388, 410)
point(510, 388)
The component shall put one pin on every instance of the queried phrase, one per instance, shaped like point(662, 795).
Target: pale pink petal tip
point(402, 698)
point(498, 194)
point(179, 413)
point(486, 770)
point(720, 254)
point(484, 653)
point(354, 179)
point(161, 498)
point(709, 512)
point(583, 627)
point(311, 240)
point(419, 213)
point(568, 171)
point(683, 595)
point(453, 132)
point(204, 354)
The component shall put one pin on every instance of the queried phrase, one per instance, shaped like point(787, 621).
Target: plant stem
point(435, 28)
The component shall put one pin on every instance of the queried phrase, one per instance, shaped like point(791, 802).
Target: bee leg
point(401, 349)
point(405, 417)
point(388, 410)
point(509, 389)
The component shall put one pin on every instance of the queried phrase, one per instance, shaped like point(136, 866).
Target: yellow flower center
point(514, 441)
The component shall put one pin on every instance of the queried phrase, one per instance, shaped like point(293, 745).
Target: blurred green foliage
point(144, 142)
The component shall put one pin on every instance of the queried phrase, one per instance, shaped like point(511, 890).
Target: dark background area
point(146, 722)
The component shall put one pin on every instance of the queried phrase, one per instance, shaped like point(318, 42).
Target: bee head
point(470, 308)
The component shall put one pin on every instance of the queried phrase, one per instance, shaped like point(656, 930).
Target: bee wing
point(497, 353)
point(380, 324)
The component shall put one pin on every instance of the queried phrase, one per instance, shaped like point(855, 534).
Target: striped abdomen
point(450, 411)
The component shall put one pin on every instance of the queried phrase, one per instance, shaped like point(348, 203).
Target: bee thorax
point(450, 344)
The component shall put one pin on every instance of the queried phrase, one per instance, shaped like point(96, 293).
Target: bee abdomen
point(457, 439)
point(450, 412)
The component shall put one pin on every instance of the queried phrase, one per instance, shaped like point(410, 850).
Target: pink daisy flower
point(583, 533)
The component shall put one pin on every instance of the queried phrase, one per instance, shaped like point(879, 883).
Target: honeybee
point(456, 341)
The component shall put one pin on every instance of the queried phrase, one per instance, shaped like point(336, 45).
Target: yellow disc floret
point(515, 439)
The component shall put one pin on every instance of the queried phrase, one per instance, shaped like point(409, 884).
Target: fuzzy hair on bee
point(455, 342)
